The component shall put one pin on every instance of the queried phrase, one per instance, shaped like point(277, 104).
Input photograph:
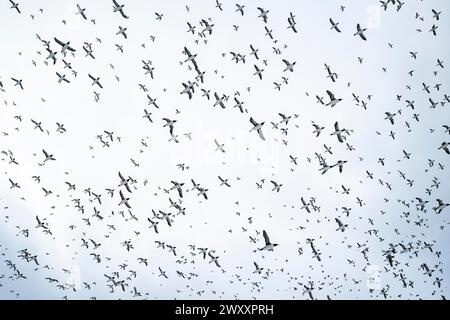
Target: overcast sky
point(230, 215)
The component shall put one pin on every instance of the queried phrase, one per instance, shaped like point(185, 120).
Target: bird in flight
point(268, 245)
point(15, 5)
point(119, 8)
point(96, 81)
point(360, 32)
point(335, 25)
point(257, 127)
point(81, 12)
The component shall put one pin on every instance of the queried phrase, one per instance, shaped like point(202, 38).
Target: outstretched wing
point(266, 237)
point(261, 134)
point(336, 126)
point(253, 49)
point(58, 41)
point(358, 27)
point(330, 94)
point(187, 51)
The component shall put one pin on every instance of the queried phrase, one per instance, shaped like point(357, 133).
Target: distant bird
point(257, 127)
point(119, 8)
point(334, 25)
point(440, 206)
point(15, 5)
point(268, 245)
point(360, 32)
point(258, 72)
point(240, 8)
point(338, 132)
point(333, 100)
point(18, 83)
point(263, 14)
point(289, 66)
point(445, 146)
point(341, 226)
point(96, 81)
point(81, 12)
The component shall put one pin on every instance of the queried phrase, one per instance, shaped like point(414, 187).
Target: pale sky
point(230, 215)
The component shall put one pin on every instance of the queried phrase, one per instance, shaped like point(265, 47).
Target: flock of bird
point(129, 232)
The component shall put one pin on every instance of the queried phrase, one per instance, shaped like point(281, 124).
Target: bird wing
point(261, 134)
point(58, 41)
point(123, 14)
point(266, 237)
point(330, 94)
